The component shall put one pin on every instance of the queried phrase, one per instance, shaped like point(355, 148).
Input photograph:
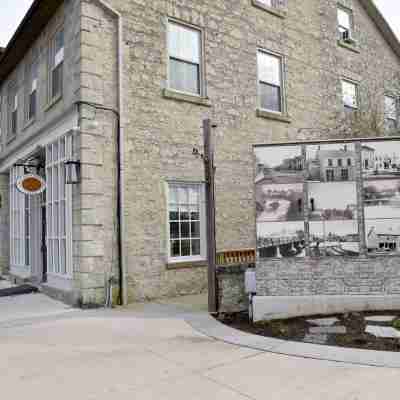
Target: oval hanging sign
point(31, 184)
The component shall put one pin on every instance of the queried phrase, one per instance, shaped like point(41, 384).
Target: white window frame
point(20, 204)
point(31, 87)
point(59, 197)
point(356, 85)
point(203, 242)
point(56, 60)
point(202, 87)
point(388, 116)
point(282, 81)
point(342, 28)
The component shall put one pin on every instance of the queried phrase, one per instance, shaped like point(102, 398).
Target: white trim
point(69, 123)
point(202, 219)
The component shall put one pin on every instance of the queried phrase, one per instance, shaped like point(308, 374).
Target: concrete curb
point(210, 327)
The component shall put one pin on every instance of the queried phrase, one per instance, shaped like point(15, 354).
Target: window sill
point(29, 123)
point(274, 116)
point(279, 12)
point(349, 46)
point(172, 94)
point(186, 264)
point(53, 102)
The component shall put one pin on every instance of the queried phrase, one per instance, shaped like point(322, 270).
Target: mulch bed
point(295, 329)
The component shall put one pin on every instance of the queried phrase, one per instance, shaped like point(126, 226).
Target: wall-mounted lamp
point(72, 172)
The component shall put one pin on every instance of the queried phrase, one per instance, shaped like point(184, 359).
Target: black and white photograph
point(382, 199)
point(332, 201)
point(281, 239)
point(383, 236)
point(279, 164)
point(279, 202)
point(334, 238)
point(381, 160)
point(331, 162)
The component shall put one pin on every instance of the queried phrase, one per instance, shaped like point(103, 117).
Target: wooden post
point(210, 212)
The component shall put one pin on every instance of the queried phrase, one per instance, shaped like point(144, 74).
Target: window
point(19, 222)
point(186, 222)
point(12, 111)
point(349, 162)
point(185, 55)
point(330, 162)
point(270, 81)
point(345, 174)
point(31, 94)
point(345, 21)
point(56, 65)
point(349, 94)
point(58, 208)
point(330, 175)
point(390, 112)
point(339, 162)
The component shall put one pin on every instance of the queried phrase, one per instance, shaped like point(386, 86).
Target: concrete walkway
point(153, 352)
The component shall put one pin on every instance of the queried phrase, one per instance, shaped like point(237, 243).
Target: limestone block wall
point(161, 132)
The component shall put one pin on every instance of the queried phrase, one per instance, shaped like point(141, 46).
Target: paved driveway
point(150, 352)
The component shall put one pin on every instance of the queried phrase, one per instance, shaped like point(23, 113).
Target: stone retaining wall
point(231, 289)
point(329, 276)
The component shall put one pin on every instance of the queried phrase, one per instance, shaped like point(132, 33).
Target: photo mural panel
point(332, 201)
point(334, 238)
point(279, 202)
point(281, 239)
point(334, 162)
point(380, 160)
point(383, 236)
point(279, 165)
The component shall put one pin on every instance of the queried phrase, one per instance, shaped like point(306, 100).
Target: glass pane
point(184, 76)
point(194, 213)
point(48, 154)
point(173, 213)
point(196, 247)
point(63, 257)
point(62, 148)
point(174, 230)
point(56, 257)
point(185, 230)
point(349, 91)
point(184, 43)
point(185, 244)
point(269, 68)
point(62, 219)
point(27, 252)
point(173, 195)
point(183, 195)
point(270, 98)
point(55, 184)
point(175, 248)
point(55, 151)
point(62, 182)
point(195, 229)
point(184, 213)
point(50, 220)
point(390, 107)
point(50, 185)
point(344, 18)
point(56, 219)
point(194, 195)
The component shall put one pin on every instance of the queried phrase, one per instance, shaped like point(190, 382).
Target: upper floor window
point(185, 58)
point(12, 111)
point(31, 94)
point(270, 81)
point(56, 65)
point(390, 112)
point(186, 222)
point(349, 95)
point(345, 23)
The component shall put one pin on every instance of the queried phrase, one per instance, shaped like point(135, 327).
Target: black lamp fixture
point(72, 172)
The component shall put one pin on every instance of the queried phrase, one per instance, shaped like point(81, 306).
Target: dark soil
point(296, 329)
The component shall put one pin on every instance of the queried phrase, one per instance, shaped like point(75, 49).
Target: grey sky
point(12, 12)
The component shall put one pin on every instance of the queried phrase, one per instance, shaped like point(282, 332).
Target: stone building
point(122, 86)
